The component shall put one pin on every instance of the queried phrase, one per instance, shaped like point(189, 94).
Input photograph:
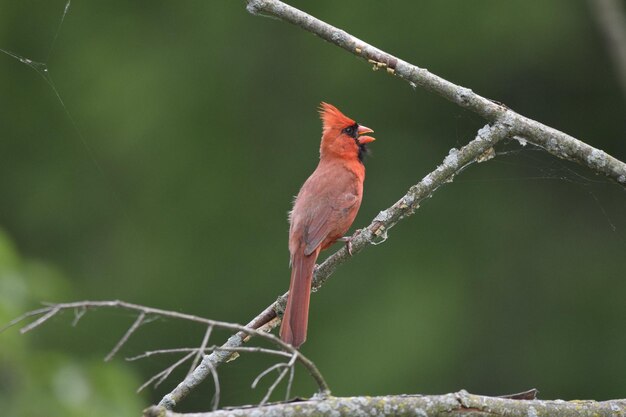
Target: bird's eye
point(351, 130)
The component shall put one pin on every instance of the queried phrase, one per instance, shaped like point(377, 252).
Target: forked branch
point(80, 307)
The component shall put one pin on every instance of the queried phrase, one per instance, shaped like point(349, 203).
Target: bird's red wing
point(334, 216)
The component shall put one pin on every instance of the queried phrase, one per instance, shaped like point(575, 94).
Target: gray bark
point(460, 404)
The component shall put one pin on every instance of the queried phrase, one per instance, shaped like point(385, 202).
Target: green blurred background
point(187, 127)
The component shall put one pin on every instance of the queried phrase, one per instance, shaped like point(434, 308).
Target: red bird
point(323, 211)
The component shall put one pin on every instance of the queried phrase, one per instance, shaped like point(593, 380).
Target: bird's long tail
point(296, 317)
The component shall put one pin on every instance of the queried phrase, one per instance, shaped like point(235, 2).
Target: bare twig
point(460, 404)
point(162, 376)
point(292, 372)
point(51, 310)
point(530, 394)
point(78, 313)
point(205, 340)
point(287, 367)
point(126, 336)
point(150, 353)
point(24, 317)
point(216, 382)
point(267, 371)
point(249, 349)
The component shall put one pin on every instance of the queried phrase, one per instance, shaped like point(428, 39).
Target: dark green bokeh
point(187, 127)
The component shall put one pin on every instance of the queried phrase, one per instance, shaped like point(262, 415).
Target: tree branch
point(554, 141)
point(49, 312)
point(460, 404)
point(126, 336)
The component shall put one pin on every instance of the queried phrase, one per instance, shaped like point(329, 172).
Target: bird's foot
point(348, 240)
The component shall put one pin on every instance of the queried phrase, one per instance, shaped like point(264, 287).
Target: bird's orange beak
point(365, 139)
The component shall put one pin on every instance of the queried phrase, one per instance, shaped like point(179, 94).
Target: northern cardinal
point(323, 211)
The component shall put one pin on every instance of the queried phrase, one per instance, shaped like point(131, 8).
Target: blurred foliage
point(185, 128)
point(36, 380)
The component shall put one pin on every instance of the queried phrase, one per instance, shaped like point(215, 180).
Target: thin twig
point(292, 372)
point(205, 340)
point(272, 387)
point(252, 349)
point(126, 336)
point(52, 309)
point(51, 312)
point(267, 371)
point(78, 312)
point(199, 374)
point(248, 349)
point(287, 368)
point(216, 382)
point(162, 376)
point(150, 353)
point(24, 317)
point(530, 394)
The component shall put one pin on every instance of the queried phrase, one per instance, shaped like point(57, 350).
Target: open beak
point(365, 139)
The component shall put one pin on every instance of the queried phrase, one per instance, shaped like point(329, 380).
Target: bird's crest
point(332, 118)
